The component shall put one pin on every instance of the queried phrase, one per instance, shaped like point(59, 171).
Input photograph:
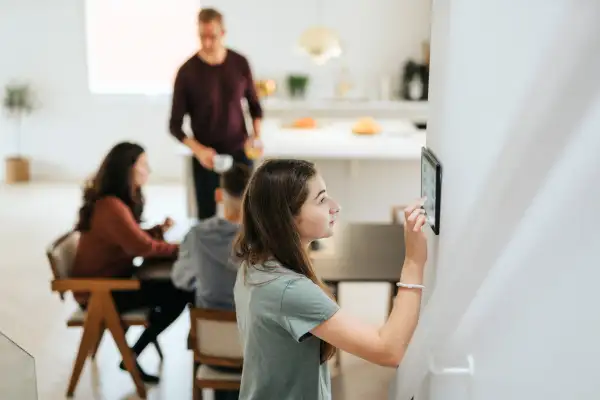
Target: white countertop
point(416, 111)
point(274, 103)
point(399, 140)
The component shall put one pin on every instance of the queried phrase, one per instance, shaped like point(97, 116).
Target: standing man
point(210, 87)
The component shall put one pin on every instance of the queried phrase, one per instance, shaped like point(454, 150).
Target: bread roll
point(305, 123)
point(366, 126)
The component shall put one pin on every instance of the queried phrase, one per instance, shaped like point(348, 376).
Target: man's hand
point(253, 148)
point(202, 153)
point(206, 156)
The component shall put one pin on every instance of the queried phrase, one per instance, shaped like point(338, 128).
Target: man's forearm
point(179, 107)
point(256, 126)
point(177, 132)
point(194, 145)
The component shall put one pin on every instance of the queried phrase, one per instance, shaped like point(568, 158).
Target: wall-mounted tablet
point(431, 187)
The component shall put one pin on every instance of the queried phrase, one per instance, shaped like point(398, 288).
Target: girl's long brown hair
point(275, 194)
point(114, 178)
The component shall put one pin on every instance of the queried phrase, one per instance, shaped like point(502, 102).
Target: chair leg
point(196, 391)
point(91, 329)
point(94, 349)
point(114, 325)
point(158, 349)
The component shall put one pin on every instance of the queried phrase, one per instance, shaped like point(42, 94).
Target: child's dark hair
point(235, 180)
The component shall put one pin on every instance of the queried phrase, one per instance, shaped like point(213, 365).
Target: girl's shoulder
point(271, 269)
point(270, 276)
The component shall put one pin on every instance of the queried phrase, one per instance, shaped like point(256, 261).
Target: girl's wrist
point(412, 273)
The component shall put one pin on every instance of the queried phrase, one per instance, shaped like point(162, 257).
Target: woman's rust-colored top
point(114, 239)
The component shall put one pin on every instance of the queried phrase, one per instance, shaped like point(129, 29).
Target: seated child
point(205, 263)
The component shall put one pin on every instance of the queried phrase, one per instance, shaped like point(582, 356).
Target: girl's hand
point(415, 241)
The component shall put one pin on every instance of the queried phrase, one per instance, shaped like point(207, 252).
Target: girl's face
point(318, 213)
point(141, 171)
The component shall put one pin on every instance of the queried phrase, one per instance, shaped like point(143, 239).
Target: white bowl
point(222, 162)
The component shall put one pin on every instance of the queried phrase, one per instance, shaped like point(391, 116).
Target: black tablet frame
point(429, 157)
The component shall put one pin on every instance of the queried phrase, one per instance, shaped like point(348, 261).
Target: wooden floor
point(33, 317)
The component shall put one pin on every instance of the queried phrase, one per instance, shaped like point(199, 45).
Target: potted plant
point(297, 85)
point(18, 103)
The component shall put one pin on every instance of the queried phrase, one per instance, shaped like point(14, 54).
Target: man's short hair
point(235, 180)
point(207, 15)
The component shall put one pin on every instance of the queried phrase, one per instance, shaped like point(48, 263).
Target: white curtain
point(542, 139)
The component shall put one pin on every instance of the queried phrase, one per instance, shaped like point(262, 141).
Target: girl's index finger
point(418, 204)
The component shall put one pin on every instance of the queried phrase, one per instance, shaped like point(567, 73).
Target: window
point(136, 46)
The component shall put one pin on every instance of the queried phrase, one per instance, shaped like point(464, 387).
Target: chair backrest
point(216, 337)
point(61, 255)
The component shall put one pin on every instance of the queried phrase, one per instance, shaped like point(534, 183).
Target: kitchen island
point(367, 174)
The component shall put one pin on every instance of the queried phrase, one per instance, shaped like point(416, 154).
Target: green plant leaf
point(18, 99)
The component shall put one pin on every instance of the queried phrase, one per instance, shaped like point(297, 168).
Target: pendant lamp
point(320, 43)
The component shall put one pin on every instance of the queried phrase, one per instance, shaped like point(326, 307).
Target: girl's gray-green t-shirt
point(276, 310)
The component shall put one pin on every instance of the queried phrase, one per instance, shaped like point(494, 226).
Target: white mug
point(222, 162)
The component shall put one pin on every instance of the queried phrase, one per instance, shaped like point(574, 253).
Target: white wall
point(44, 42)
point(377, 36)
point(514, 118)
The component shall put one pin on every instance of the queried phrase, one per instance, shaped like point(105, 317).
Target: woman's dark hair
point(114, 178)
point(274, 197)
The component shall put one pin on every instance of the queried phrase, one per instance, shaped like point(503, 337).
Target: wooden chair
point(101, 313)
point(215, 341)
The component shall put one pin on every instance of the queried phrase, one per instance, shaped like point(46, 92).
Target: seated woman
point(111, 237)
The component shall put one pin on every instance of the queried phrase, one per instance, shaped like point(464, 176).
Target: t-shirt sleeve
point(304, 306)
point(185, 268)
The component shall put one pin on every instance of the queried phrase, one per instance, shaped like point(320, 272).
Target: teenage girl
point(289, 323)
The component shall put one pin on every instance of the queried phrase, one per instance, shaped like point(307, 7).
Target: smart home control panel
point(431, 188)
